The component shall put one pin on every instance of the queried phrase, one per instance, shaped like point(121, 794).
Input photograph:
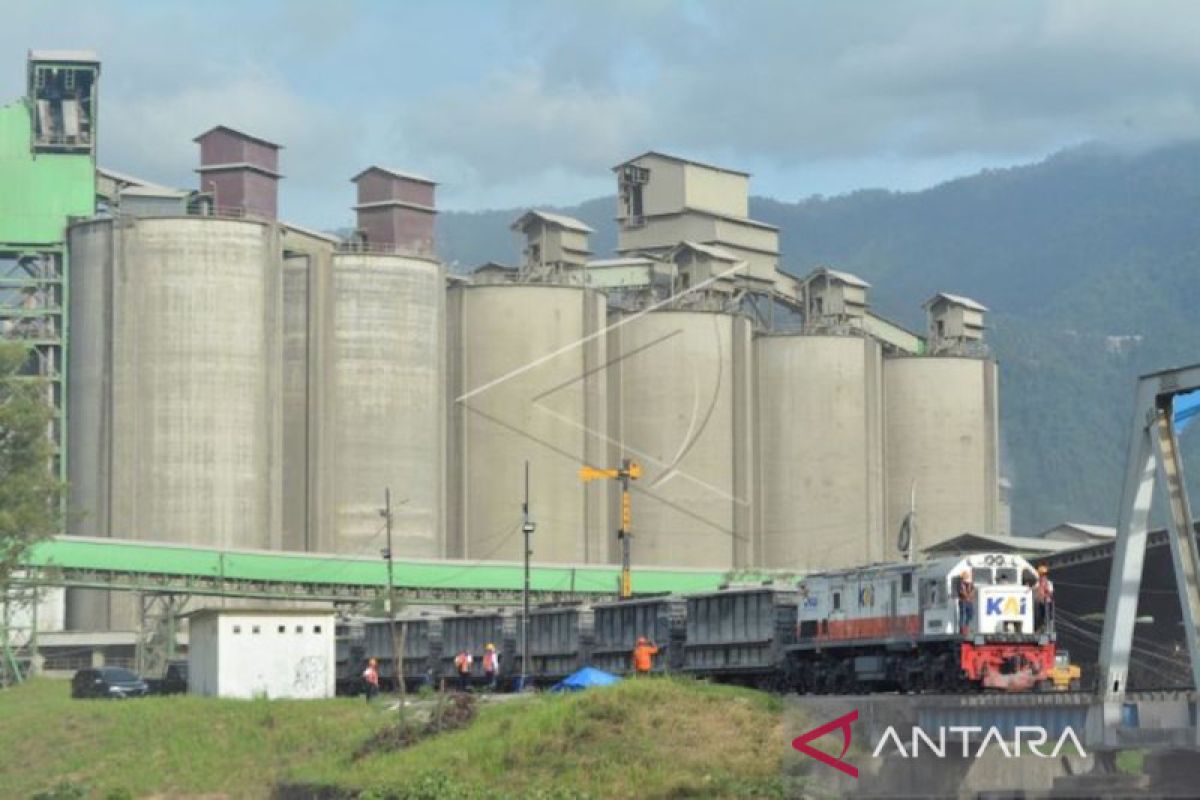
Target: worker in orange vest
point(966, 602)
point(643, 656)
point(491, 665)
point(1043, 600)
point(370, 678)
point(462, 663)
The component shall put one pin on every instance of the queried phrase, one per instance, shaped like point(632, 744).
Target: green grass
point(166, 745)
point(654, 738)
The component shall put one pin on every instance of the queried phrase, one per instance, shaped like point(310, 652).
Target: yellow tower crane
point(629, 470)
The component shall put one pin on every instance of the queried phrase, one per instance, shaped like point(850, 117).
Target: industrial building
point(240, 381)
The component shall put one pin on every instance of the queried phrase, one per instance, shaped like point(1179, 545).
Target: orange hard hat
point(641, 640)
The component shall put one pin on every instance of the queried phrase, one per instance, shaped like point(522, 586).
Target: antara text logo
point(971, 741)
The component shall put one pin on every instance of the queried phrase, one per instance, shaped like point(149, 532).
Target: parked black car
point(173, 681)
point(111, 682)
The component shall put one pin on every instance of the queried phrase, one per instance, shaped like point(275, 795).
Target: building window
point(906, 583)
point(837, 601)
point(256, 629)
point(631, 181)
point(299, 629)
point(316, 628)
point(282, 628)
point(237, 628)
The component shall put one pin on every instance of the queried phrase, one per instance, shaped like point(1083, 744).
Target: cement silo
point(385, 412)
point(174, 423)
point(941, 445)
point(682, 406)
point(820, 451)
point(526, 383)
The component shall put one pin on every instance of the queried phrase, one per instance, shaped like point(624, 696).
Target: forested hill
point(1089, 262)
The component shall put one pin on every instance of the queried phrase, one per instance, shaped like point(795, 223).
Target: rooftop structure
point(663, 200)
point(555, 244)
point(955, 322)
point(240, 172)
point(62, 98)
point(395, 210)
point(834, 299)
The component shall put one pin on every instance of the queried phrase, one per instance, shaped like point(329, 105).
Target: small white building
point(273, 653)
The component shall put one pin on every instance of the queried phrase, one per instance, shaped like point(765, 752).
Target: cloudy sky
point(528, 102)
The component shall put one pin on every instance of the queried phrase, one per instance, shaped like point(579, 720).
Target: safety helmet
point(641, 640)
point(1042, 570)
point(966, 573)
point(371, 661)
point(489, 646)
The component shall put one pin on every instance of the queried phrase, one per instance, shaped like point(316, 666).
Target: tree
point(30, 491)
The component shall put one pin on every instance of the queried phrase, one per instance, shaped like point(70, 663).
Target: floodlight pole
point(527, 528)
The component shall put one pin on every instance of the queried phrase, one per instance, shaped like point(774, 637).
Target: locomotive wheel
point(914, 681)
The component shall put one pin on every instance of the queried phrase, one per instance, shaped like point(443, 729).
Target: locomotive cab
point(1003, 598)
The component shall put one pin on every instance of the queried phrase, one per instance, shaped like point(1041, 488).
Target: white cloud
point(537, 99)
point(788, 84)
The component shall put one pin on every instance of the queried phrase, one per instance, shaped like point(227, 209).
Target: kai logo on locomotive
point(1010, 606)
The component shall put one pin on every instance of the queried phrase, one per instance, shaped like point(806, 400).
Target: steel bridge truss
point(1154, 460)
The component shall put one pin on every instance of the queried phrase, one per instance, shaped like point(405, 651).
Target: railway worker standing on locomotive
point(643, 656)
point(370, 678)
point(966, 602)
point(491, 665)
point(1043, 600)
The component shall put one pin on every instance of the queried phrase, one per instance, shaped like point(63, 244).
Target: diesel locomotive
point(883, 627)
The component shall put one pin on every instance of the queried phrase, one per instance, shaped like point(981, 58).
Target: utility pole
point(629, 470)
point(527, 527)
point(397, 642)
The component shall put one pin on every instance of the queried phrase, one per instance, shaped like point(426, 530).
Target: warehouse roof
point(997, 542)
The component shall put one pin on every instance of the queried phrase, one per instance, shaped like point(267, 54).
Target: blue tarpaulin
point(1186, 408)
point(585, 679)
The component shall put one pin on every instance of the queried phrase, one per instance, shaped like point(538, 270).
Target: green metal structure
point(96, 563)
point(47, 176)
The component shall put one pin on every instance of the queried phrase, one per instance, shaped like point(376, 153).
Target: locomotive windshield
point(1006, 575)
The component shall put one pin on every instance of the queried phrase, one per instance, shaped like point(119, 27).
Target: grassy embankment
point(659, 738)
